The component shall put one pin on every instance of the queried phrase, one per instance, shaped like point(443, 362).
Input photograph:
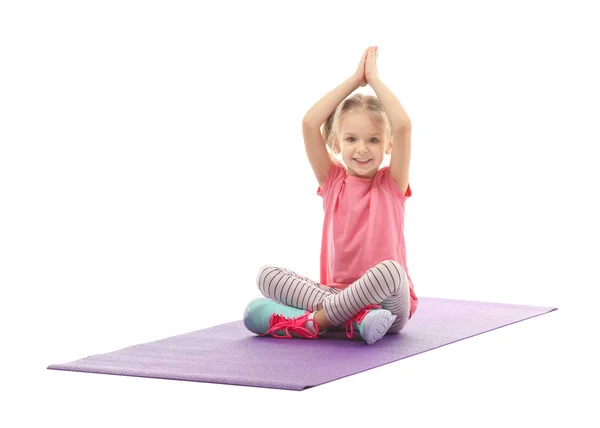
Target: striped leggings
point(385, 284)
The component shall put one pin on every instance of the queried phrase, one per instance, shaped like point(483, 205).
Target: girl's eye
point(347, 139)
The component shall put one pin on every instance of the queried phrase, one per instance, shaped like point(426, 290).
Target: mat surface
point(230, 354)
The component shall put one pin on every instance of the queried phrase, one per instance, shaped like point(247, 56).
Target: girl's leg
point(287, 287)
point(385, 284)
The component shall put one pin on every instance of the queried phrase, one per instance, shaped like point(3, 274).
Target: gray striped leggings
point(385, 284)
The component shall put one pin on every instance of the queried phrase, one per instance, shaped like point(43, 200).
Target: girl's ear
point(388, 149)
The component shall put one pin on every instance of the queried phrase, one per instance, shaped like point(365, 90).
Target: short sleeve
point(334, 173)
point(388, 183)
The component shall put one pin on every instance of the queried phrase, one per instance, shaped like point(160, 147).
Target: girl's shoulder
point(337, 171)
point(387, 182)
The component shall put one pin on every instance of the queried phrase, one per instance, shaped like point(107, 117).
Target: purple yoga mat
point(230, 354)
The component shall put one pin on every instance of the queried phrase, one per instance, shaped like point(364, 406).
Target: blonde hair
point(356, 103)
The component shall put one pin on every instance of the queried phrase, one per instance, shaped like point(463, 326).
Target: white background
point(152, 160)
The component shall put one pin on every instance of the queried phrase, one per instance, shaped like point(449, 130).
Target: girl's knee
point(393, 266)
point(394, 271)
point(262, 274)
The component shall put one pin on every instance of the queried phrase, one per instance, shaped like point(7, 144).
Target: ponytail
point(328, 134)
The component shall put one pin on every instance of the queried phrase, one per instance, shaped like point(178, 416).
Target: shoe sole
point(377, 325)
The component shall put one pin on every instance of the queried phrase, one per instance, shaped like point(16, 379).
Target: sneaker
point(267, 317)
point(372, 323)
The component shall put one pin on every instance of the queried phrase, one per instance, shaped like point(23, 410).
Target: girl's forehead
point(360, 128)
point(370, 131)
point(359, 122)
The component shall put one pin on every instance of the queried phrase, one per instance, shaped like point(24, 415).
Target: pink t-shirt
point(363, 226)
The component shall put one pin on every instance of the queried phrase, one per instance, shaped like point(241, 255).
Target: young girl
point(364, 278)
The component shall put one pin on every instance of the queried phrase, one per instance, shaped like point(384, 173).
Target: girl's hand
point(371, 65)
point(359, 75)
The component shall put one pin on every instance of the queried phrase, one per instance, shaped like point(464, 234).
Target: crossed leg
point(385, 284)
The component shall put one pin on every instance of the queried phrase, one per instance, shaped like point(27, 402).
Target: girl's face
point(362, 139)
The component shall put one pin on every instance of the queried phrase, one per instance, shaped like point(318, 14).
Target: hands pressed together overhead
point(367, 68)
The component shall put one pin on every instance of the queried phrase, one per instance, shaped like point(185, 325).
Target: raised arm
point(401, 124)
point(323, 108)
point(311, 127)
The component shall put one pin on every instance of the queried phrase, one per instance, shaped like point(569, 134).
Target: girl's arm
point(391, 105)
point(401, 125)
point(319, 113)
point(401, 133)
point(316, 150)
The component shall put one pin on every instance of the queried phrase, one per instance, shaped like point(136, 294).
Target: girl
point(364, 279)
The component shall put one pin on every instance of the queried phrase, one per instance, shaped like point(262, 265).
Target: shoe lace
point(295, 325)
point(358, 318)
